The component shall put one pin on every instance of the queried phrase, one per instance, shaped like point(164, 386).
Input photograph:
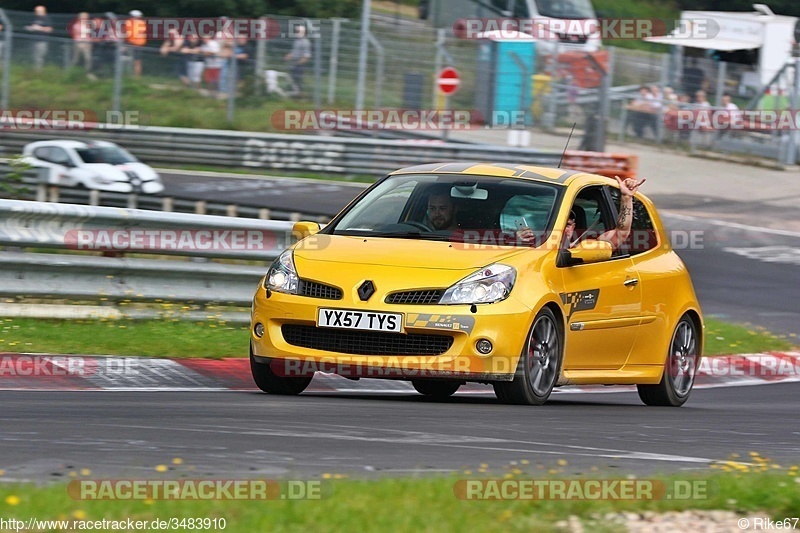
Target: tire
point(269, 382)
point(435, 388)
point(679, 368)
point(539, 364)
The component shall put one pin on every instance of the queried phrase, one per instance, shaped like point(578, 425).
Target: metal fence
point(400, 72)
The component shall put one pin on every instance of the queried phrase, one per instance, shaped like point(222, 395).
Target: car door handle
point(630, 282)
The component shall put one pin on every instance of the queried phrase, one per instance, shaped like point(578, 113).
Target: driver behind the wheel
point(441, 211)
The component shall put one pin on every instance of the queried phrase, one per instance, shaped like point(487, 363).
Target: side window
point(592, 214)
point(643, 235)
point(42, 153)
point(59, 156)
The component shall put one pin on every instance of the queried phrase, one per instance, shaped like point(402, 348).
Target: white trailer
point(771, 35)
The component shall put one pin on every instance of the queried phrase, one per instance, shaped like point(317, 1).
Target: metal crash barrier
point(304, 153)
point(93, 248)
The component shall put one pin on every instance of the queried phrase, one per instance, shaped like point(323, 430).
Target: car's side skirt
point(627, 375)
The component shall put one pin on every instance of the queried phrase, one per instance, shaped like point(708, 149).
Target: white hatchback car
point(100, 165)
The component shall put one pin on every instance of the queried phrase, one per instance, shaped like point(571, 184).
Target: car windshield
point(565, 9)
point(112, 155)
point(454, 207)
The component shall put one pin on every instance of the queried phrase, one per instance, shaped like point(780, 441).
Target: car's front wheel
point(679, 370)
point(436, 389)
point(539, 365)
point(268, 381)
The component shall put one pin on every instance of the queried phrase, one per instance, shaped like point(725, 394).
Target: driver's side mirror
point(303, 229)
point(588, 251)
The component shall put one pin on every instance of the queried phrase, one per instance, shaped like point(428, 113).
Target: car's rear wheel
point(436, 388)
point(679, 369)
point(268, 381)
point(539, 365)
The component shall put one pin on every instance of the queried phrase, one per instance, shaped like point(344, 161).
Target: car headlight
point(282, 276)
point(488, 285)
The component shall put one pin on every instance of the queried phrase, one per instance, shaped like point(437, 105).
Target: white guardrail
point(95, 244)
point(303, 153)
point(33, 185)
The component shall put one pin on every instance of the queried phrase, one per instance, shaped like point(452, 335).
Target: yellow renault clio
point(523, 277)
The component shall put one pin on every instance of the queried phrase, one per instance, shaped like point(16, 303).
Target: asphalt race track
point(741, 272)
point(46, 434)
point(302, 195)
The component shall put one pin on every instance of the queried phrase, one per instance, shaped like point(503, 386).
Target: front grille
point(365, 342)
point(415, 297)
point(318, 290)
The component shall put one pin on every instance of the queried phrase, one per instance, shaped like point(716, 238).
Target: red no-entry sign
point(448, 81)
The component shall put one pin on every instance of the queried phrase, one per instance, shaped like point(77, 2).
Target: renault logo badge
point(366, 290)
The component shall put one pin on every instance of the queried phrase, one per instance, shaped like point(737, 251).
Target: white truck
point(448, 13)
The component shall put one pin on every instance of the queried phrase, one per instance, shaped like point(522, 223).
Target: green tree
point(12, 184)
point(203, 8)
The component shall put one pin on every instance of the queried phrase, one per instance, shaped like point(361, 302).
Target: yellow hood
point(404, 253)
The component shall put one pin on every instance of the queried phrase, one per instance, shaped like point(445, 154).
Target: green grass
point(421, 504)
point(157, 338)
point(158, 101)
point(216, 338)
point(723, 338)
point(637, 9)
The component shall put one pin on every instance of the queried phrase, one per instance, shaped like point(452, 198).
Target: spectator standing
point(244, 52)
point(136, 37)
point(213, 63)
point(173, 45)
point(41, 26)
point(727, 104)
point(299, 56)
point(226, 51)
point(82, 32)
point(193, 55)
point(105, 47)
point(642, 113)
point(244, 49)
point(669, 96)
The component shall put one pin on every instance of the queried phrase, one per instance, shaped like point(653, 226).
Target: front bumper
point(505, 324)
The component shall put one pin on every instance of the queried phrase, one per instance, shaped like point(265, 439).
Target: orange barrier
point(582, 69)
point(603, 163)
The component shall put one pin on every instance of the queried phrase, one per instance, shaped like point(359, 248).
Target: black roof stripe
point(457, 167)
